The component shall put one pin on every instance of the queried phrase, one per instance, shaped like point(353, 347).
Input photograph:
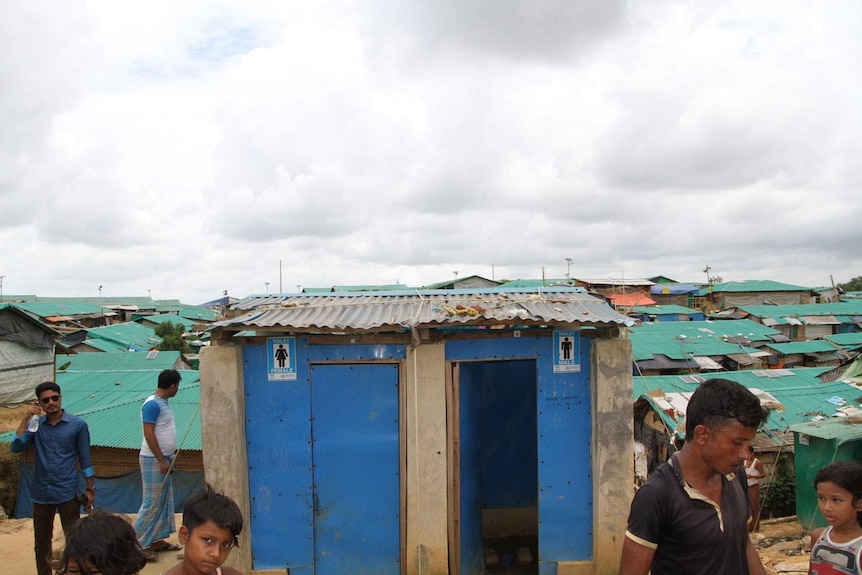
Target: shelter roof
point(449, 284)
point(153, 361)
point(104, 345)
point(685, 339)
point(45, 309)
point(846, 340)
point(800, 395)
point(746, 286)
point(851, 308)
point(110, 403)
point(611, 282)
point(161, 318)
point(810, 346)
point(538, 283)
point(844, 429)
point(424, 308)
point(667, 309)
point(130, 334)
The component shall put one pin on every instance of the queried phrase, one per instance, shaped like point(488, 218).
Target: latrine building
point(423, 432)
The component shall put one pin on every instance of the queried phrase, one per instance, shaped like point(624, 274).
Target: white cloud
point(188, 148)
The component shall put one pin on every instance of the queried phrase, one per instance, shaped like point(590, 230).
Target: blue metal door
point(355, 456)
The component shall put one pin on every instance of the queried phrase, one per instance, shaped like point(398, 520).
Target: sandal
point(152, 556)
point(166, 547)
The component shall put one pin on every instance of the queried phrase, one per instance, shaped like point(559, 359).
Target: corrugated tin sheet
point(665, 309)
point(119, 361)
point(799, 392)
point(745, 286)
point(432, 308)
point(129, 334)
point(844, 429)
point(188, 324)
point(820, 320)
point(110, 403)
point(813, 346)
point(685, 339)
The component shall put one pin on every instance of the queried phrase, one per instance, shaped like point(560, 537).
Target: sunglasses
point(50, 398)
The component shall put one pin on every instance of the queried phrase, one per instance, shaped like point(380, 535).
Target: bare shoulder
point(230, 571)
point(816, 533)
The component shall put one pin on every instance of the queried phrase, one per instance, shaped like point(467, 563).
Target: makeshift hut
point(468, 427)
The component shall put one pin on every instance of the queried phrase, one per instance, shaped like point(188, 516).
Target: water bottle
point(33, 424)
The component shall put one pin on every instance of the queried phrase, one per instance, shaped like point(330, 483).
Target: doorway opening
point(494, 476)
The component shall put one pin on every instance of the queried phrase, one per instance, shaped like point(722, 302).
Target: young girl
point(838, 547)
point(211, 526)
point(101, 543)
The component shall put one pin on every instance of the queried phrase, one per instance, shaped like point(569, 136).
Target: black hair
point(47, 386)
point(846, 475)
point(210, 505)
point(106, 541)
point(716, 401)
point(168, 378)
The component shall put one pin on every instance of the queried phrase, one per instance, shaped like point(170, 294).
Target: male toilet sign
point(567, 351)
point(281, 358)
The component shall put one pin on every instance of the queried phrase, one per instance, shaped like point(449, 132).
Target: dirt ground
point(16, 540)
point(780, 542)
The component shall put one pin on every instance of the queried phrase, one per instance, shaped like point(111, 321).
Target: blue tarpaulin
point(121, 494)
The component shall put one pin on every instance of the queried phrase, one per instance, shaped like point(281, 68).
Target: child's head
point(846, 475)
point(102, 543)
point(211, 526)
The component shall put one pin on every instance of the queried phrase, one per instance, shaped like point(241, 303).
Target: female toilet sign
point(567, 351)
point(281, 358)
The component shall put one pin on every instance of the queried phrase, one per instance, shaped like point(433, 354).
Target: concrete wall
point(613, 445)
point(223, 436)
point(427, 478)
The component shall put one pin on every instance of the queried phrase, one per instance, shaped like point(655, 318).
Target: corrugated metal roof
point(119, 361)
point(799, 391)
point(110, 403)
point(194, 312)
point(129, 334)
point(665, 309)
point(811, 346)
point(105, 345)
point(846, 340)
point(630, 299)
point(685, 339)
point(432, 308)
point(812, 309)
point(530, 284)
point(846, 429)
point(188, 324)
point(745, 286)
point(64, 308)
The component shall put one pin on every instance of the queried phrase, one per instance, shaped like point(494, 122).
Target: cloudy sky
point(181, 149)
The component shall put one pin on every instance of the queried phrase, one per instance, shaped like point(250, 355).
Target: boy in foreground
point(211, 526)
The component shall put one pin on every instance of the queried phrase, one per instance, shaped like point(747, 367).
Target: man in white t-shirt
point(155, 520)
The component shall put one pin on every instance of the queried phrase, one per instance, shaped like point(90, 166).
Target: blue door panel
point(565, 478)
point(278, 435)
point(356, 469)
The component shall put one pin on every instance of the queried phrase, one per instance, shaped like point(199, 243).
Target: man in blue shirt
point(62, 441)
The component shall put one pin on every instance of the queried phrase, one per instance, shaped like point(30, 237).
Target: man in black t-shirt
point(690, 517)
